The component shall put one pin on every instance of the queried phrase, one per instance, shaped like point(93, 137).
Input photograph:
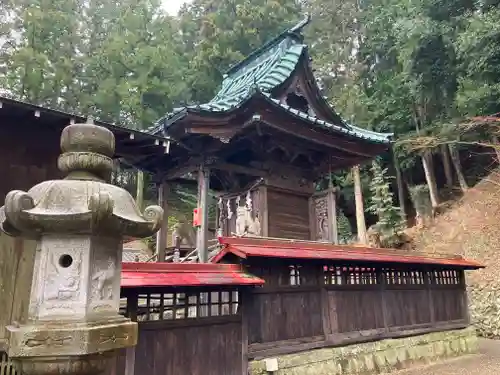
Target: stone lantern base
point(69, 347)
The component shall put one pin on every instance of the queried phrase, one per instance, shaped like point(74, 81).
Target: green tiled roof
point(265, 69)
point(266, 73)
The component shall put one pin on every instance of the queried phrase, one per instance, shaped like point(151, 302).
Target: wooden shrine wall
point(288, 215)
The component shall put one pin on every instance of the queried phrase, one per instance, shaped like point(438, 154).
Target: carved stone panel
point(105, 269)
point(59, 277)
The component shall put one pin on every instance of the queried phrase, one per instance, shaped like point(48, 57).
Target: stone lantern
point(79, 223)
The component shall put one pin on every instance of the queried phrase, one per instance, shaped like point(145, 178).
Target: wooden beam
point(240, 169)
point(338, 142)
point(202, 232)
point(183, 169)
point(161, 237)
point(273, 169)
point(288, 141)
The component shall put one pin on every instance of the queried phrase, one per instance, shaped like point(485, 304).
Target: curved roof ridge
point(294, 31)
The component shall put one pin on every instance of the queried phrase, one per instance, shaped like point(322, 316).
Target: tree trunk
point(360, 211)
point(399, 182)
point(429, 176)
point(455, 158)
point(349, 210)
point(496, 144)
point(447, 166)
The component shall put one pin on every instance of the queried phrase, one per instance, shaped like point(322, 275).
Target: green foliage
point(344, 229)
point(411, 67)
point(390, 220)
point(220, 33)
point(478, 49)
point(421, 199)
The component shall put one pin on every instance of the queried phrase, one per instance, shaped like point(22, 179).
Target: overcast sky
point(173, 6)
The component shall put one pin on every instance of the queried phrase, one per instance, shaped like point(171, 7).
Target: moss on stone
point(376, 357)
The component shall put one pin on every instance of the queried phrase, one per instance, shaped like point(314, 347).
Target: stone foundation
point(376, 357)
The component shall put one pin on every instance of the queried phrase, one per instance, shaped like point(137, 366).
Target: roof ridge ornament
point(303, 23)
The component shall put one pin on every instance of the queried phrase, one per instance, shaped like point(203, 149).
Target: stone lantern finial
point(79, 224)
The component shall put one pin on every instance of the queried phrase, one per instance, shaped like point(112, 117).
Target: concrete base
point(375, 357)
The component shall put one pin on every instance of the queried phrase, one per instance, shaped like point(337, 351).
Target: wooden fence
point(217, 330)
point(344, 305)
point(185, 331)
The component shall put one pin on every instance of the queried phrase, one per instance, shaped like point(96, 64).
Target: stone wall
point(484, 303)
point(376, 357)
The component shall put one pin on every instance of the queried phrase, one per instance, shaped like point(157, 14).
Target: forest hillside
point(470, 227)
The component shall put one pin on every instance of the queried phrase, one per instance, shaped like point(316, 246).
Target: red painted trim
point(160, 267)
point(258, 247)
point(136, 275)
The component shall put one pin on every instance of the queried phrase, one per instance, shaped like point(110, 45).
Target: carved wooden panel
point(324, 221)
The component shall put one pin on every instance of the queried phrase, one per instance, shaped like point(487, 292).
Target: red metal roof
point(136, 275)
point(271, 248)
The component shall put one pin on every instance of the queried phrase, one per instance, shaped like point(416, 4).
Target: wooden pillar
point(132, 306)
point(139, 198)
point(202, 232)
point(382, 282)
point(161, 237)
point(360, 211)
point(264, 211)
point(332, 215)
point(244, 305)
point(428, 280)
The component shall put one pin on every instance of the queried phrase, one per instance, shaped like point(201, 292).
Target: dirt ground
point(485, 363)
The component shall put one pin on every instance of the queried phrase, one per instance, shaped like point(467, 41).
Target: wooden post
point(161, 237)
point(383, 290)
point(465, 297)
point(244, 304)
point(264, 219)
point(202, 232)
point(332, 215)
point(140, 190)
point(360, 211)
point(428, 277)
point(132, 306)
point(326, 313)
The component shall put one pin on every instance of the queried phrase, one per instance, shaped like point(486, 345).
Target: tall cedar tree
point(390, 220)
